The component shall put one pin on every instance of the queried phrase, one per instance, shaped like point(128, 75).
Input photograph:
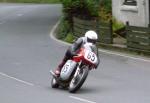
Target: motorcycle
point(75, 71)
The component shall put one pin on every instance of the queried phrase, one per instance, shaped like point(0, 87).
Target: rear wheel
point(54, 83)
point(78, 81)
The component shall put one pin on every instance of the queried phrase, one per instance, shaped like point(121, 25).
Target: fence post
point(111, 31)
point(127, 23)
point(127, 36)
point(127, 27)
point(97, 27)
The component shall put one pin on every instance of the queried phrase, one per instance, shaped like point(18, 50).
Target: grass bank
point(30, 1)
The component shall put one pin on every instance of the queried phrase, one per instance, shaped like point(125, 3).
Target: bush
point(117, 25)
point(105, 12)
point(104, 15)
point(86, 9)
point(69, 38)
point(106, 4)
point(82, 8)
point(63, 29)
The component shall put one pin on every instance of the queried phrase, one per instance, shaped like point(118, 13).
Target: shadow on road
point(87, 90)
point(83, 90)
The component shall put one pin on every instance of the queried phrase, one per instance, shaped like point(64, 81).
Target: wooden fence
point(138, 37)
point(104, 30)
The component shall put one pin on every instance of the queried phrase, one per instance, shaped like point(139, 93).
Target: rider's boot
point(58, 70)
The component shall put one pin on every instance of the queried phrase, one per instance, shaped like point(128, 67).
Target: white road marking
point(24, 82)
point(123, 55)
point(101, 50)
point(81, 99)
point(53, 36)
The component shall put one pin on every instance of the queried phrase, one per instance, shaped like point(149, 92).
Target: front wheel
point(78, 81)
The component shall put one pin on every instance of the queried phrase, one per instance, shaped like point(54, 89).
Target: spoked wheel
point(54, 83)
point(79, 79)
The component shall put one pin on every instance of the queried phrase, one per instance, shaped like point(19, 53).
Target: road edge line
point(53, 34)
point(19, 80)
point(81, 99)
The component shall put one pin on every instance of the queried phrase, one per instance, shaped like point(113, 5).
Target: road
point(27, 53)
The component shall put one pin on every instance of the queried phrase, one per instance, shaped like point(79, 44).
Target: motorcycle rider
point(90, 37)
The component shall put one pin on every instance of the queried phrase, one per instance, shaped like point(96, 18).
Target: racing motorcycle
point(75, 70)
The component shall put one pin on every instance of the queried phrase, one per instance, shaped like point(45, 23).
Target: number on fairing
point(66, 67)
point(90, 56)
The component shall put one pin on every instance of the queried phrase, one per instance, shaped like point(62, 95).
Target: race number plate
point(90, 56)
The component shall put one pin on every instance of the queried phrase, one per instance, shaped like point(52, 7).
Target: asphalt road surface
point(27, 53)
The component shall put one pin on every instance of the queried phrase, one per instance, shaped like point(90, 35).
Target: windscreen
point(91, 47)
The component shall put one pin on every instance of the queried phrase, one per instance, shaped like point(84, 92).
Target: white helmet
point(91, 36)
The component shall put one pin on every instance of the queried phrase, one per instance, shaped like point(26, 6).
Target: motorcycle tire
point(74, 87)
point(54, 83)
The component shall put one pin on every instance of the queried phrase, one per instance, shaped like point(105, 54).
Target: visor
point(92, 40)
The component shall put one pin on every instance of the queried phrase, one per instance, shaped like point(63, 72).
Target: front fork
point(77, 72)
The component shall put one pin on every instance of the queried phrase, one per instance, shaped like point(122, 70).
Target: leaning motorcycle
point(75, 71)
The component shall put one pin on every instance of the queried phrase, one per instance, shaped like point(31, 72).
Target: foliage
point(69, 38)
point(63, 29)
point(117, 25)
point(106, 4)
point(82, 8)
point(105, 10)
point(85, 9)
point(104, 15)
